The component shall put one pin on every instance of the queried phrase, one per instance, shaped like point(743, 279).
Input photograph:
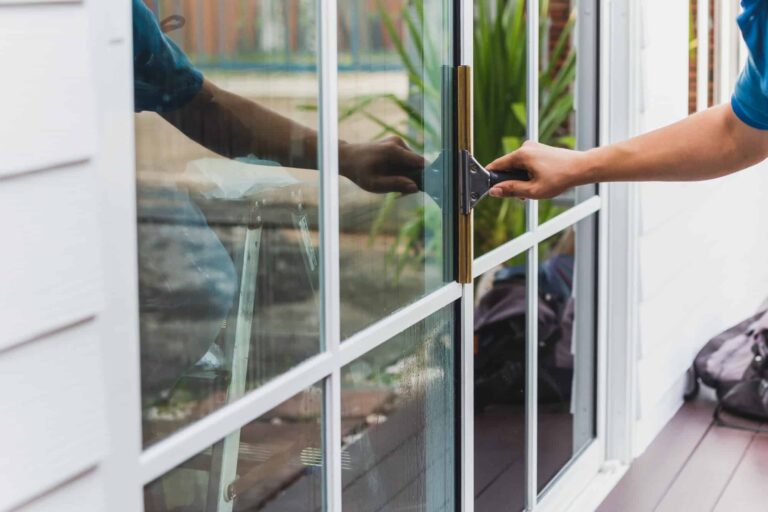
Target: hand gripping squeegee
point(474, 180)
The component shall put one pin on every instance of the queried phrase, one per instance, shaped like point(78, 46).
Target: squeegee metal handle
point(513, 175)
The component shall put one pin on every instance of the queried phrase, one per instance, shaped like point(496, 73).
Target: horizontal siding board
point(46, 100)
point(52, 394)
point(669, 249)
point(83, 494)
point(660, 203)
point(50, 256)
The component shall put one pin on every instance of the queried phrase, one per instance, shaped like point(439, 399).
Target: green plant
point(500, 112)
point(500, 63)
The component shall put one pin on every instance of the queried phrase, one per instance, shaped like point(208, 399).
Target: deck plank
point(650, 475)
point(707, 472)
point(746, 490)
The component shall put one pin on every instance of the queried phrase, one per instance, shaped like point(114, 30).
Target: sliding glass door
point(296, 253)
point(535, 276)
point(317, 332)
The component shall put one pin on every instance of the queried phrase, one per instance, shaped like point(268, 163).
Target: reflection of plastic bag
point(238, 179)
point(187, 284)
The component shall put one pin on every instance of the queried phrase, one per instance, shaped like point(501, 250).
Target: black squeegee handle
point(513, 175)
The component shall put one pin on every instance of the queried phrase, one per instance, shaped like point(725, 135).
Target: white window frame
point(128, 468)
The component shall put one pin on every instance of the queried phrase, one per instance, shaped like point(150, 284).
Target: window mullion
point(532, 219)
point(329, 246)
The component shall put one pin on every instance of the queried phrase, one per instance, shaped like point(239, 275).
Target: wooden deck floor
point(695, 465)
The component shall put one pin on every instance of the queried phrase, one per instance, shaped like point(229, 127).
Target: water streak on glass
point(397, 408)
point(273, 464)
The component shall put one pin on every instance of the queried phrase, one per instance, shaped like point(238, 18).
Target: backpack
point(735, 364)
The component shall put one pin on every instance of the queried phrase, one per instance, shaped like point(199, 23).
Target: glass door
point(534, 278)
point(297, 254)
point(329, 318)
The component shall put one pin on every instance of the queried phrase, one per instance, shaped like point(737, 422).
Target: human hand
point(388, 165)
point(551, 171)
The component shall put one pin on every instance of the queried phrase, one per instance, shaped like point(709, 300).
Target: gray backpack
point(735, 364)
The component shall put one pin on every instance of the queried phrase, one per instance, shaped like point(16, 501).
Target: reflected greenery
point(499, 103)
point(500, 62)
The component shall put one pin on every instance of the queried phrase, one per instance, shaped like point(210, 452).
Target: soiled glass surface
point(395, 61)
point(274, 464)
point(397, 405)
point(227, 200)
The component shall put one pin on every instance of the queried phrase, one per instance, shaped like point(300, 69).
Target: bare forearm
point(234, 126)
point(706, 145)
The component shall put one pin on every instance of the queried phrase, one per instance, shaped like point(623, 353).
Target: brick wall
point(692, 63)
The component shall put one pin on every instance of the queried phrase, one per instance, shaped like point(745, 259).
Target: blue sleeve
point(750, 96)
point(163, 78)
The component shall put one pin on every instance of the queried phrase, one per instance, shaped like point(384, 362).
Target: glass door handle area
point(476, 180)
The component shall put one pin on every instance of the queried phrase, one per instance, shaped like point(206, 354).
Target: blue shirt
point(163, 78)
point(750, 97)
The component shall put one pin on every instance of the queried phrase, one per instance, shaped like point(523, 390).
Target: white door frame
point(127, 467)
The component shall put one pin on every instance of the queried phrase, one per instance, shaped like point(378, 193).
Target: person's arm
point(705, 145)
point(233, 126)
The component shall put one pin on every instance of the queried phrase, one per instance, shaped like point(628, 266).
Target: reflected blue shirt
point(750, 97)
point(163, 78)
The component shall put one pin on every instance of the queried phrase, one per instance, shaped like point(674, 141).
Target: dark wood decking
point(695, 465)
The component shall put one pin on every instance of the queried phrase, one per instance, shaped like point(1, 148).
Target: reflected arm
point(233, 126)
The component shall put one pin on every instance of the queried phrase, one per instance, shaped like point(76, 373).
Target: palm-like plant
point(500, 107)
point(500, 113)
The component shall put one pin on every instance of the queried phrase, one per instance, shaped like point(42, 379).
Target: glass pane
point(395, 60)
point(398, 419)
point(274, 463)
point(567, 343)
point(227, 194)
point(558, 123)
point(500, 348)
point(500, 80)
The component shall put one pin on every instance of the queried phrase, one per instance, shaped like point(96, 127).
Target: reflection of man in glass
point(186, 274)
point(165, 82)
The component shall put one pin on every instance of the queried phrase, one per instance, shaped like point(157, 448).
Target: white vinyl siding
point(51, 281)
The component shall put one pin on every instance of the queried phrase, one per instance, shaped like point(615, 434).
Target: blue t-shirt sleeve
point(750, 96)
point(163, 78)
